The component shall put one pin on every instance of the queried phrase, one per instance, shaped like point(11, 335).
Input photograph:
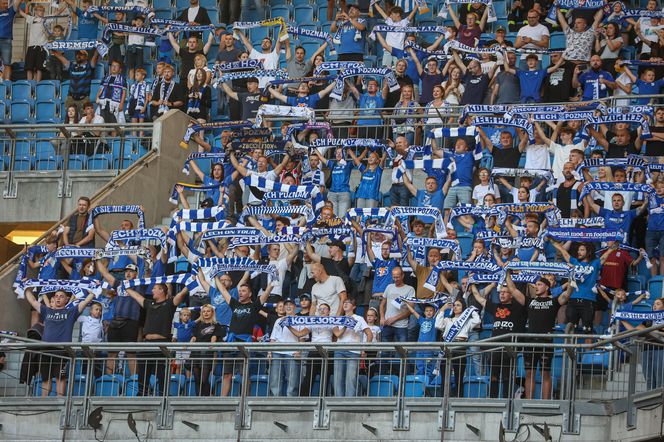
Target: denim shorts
point(6, 50)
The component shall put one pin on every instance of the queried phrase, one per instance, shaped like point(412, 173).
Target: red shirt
point(614, 270)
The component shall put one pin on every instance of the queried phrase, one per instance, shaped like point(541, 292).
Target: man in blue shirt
point(80, 77)
point(581, 305)
point(595, 82)
point(303, 98)
point(655, 232)
point(7, 15)
point(430, 196)
point(460, 192)
point(349, 30)
point(369, 102)
point(616, 218)
point(88, 24)
point(382, 269)
point(59, 320)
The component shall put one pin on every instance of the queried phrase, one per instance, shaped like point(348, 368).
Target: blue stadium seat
point(127, 161)
point(321, 13)
point(47, 112)
point(108, 385)
point(20, 112)
point(655, 286)
point(304, 14)
point(209, 4)
point(476, 386)
point(280, 11)
point(370, 61)
point(465, 242)
point(325, 26)
point(176, 385)
point(427, 15)
point(258, 34)
point(77, 162)
point(100, 162)
point(21, 90)
point(214, 15)
point(47, 90)
point(163, 14)
point(46, 157)
point(4, 90)
point(634, 283)
point(501, 9)
point(181, 4)
point(165, 4)
point(383, 385)
point(274, 3)
point(259, 385)
point(94, 87)
point(300, 3)
point(415, 386)
point(64, 89)
point(3, 111)
point(557, 41)
point(310, 47)
point(131, 386)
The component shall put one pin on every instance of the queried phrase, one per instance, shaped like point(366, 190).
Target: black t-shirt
point(542, 312)
point(244, 317)
point(187, 59)
point(158, 317)
point(564, 200)
point(475, 88)
point(655, 148)
point(204, 332)
point(250, 104)
point(506, 157)
point(177, 94)
point(557, 85)
point(509, 318)
point(616, 151)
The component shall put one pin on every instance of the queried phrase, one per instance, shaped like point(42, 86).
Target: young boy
point(53, 64)
point(139, 97)
point(35, 56)
point(394, 39)
point(135, 43)
point(532, 79)
point(117, 47)
point(92, 330)
point(88, 24)
point(426, 360)
point(646, 83)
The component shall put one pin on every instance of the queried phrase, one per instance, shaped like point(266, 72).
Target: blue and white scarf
point(387, 73)
point(265, 185)
point(74, 252)
point(112, 252)
point(102, 210)
point(277, 210)
point(184, 278)
point(459, 323)
point(225, 265)
point(192, 187)
point(241, 65)
point(415, 241)
point(467, 131)
point(438, 54)
point(573, 273)
point(407, 30)
point(223, 125)
point(22, 271)
point(262, 240)
point(519, 242)
point(431, 212)
point(365, 213)
point(458, 46)
point(298, 80)
point(489, 278)
point(631, 161)
point(137, 235)
point(77, 288)
point(618, 118)
point(313, 34)
point(319, 321)
point(337, 66)
point(231, 232)
point(251, 132)
point(259, 73)
point(372, 144)
point(76, 45)
point(277, 21)
point(513, 122)
point(302, 112)
point(128, 29)
point(584, 234)
point(139, 10)
point(640, 252)
point(616, 187)
point(596, 221)
point(551, 212)
point(285, 196)
point(216, 157)
point(636, 109)
point(472, 266)
point(626, 12)
point(439, 298)
point(552, 15)
point(335, 233)
point(628, 315)
point(469, 209)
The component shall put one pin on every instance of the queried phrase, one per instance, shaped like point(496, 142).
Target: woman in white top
point(454, 89)
point(608, 44)
point(484, 188)
point(445, 324)
point(200, 62)
point(346, 362)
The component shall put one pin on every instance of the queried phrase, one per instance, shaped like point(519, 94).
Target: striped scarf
point(185, 278)
point(265, 185)
point(74, 252)
point(618, 118)
point(458, 46)
point(110, 28)
point(439, 54)
point(551, 212)
point(258, 73)
point(365, 212)
point(640, 252)
point(216, 157)
point(225, 265)
point(414, 241)
point(137, 235)
point(223, 125)
point(563, 269)
point(302, 112)
point(139, 10)
point(77, 288)
point(387, 73)
point(619, 187)
point(489, 278)
point(22, 271)
point(521, 123)
point(278, 21)
point(337, 66)
point(657, 317)
point(469, 209)
point(262, 240)
point(431, 212)
point(102, 210)
point(277, 210)
point(407, 30)
point(113, 252)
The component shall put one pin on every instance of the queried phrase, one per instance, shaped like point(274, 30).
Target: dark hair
point(285, 221)
point(88, 104)
point(300, 47)
point(84, 198)
point(396, 10)
point(222, 169)
point(164, 287)
point(462, 301)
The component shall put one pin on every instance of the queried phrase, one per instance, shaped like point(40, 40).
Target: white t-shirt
point(192, 72)
point(649, 32)
point(375, 334)
point(281, 266)
point(392, 292)
point(624, 80)
point(328, 292)
point(320, 333)
point(355, 334)
point(37, 35)
point(531, 198)
point(537, 157)
point(534, 32)
point(480, 191)
point(561, 156)
point(395, 39)
point(192, 12)
point(283, 334)
point(92, 329)
point(270, 61)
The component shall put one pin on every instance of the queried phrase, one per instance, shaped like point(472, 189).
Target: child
point(617, 299)
point(646, 83)
point(524, 182)
point(426, 360)
point(92, 330)
point(135, 43)
point(139, 97)
point(88, 24)
point(117, 47)
point(165, 49)
point(531, 80)
point(35, 56)
point(53, 65)
point(369, 363)
point(394, 39)
point(184, 330)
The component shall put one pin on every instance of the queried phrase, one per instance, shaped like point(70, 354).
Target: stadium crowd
point(530, 214)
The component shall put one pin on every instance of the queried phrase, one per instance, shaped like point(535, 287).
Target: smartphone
point(583, 67)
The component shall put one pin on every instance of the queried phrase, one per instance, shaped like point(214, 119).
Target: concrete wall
point(147, 182)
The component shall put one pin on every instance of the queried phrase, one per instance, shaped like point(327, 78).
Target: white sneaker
point(519, 392)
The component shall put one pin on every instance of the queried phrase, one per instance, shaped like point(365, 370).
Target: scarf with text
point(192, 187)
point(639, 252)
point(596, 221)
point(319, 321)
point(258, 73)
point(137, 235)
point(387, 73)
point(113, 252)
point(414, 241)
point(293, 30)
point(66, 252)
point(223, 125)
point(656, 317)
point(458, 46)
point(552, 15)
point(103, 210)
point(216, 157)
point(337, 66)
point(472, 266)
point(300, 112)
point(218, 266)
point(438, 54)
point(490, 278)
point(647, 189)
point(184, 278)
point(430, 212)
point(551, 212)
point(263, 240)
point(77, 288)
point(407, 30)
point(138, 10)
point(469, 209)
point(277, 210)
point(459, 324)
point(585, 234)
point(626, 12)
point(76, 45)
point(519, 242)
point(251, 132)
point(29, 255)
point(231, 232)
point(521, 123)
point(128, 29)
point(265, 185)
point(278, 21)
point(618, 118)
point(563, 269)
point(241, 65)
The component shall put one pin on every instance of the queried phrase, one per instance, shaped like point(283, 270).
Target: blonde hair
point(210, 306)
